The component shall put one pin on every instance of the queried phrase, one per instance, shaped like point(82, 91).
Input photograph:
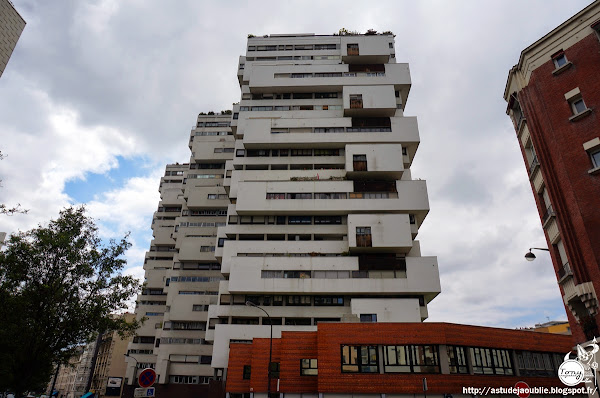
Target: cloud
point(92, 82)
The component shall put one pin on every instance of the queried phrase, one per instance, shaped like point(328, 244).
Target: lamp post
point(530, 256)
point(136, 366)
point(251, 304)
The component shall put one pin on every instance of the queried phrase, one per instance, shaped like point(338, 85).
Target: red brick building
point(553, 97)
point(394, 358)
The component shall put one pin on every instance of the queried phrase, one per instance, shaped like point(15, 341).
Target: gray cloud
point(131, 77)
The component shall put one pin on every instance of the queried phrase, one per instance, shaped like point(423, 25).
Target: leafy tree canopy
point(59, 285)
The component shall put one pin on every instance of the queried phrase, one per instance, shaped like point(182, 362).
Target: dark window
point(299, 220)
point(359, 162)
point(246, 372)
point(328, 219)
point(457, 359)
point(360, 359)
point(329, 300)
point(297, 300)
point(491, 361)
point(368, 317)
point(308, 367)
point(411, 358)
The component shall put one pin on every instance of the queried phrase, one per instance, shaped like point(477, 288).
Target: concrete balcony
point(386, 233)
point(422, 278)
point(369, 101)
point(325, 133)
point(381, 161)
point(310, 78)
point(209, 197)
point(252, 198)
point(282, 251)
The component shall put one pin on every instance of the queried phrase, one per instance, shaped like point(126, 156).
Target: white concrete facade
point(181, 272)
point(324, 212)
point(301, 202)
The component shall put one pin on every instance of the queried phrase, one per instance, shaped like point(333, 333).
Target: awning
point(88, 395)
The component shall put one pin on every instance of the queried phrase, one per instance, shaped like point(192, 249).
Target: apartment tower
point(553, 97)
point(182, 273)
point(323, 210)
point(300, 202)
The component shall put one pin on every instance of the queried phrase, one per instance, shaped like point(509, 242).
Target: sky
point(100, 94)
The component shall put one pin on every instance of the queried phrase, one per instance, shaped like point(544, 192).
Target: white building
point(323, 211)
point(316, 209)
point(182, 274)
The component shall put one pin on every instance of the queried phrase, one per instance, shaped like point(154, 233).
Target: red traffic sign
point(147, 378)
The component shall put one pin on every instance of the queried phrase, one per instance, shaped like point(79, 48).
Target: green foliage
point(59, 286)
point(227, 112)
point(346, 32)
point(250, 35)
point(370, 32)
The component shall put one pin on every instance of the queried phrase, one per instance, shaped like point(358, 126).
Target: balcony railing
point(533, 166)
point(547, 215)
point(564, 271)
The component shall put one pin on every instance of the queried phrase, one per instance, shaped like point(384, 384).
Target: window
point(491, 361)
point(352, 49)
point(356, 101)
point(595, 156)
point(578, 106)
point(297, 300)
point(368, 317)
point(360, 359)
point(559, 59)
point(308, 367)
point(359, 162)
point(363, 237)
point(246, 372)
point(329, 300)
point(457, 359)
point(411, 358)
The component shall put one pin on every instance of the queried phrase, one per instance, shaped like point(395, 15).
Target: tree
point(59, 285)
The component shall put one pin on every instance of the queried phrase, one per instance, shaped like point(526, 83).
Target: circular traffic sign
point(147, 378)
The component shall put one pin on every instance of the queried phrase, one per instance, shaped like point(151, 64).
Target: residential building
point(109, 370)
point(301, 201)
point(396, 360)
point(553, 96)
point(11, 27)
point(323, 211)
point(182, 273)
point(72, 378)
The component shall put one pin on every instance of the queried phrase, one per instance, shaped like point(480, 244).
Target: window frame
point(309, 367)
point(372, 366)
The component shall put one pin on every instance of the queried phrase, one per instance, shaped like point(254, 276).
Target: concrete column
point(444, 361)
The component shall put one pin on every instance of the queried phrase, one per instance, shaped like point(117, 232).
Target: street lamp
point(530, 256)
point(136, 366)
point(251, 304)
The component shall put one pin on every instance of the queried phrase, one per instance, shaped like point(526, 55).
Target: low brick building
point(392, 359)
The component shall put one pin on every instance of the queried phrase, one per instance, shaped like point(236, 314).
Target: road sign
point(143, 392)
point(147, 378)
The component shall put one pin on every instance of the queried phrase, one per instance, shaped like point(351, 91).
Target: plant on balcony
point(250, 35)
point(370, 32)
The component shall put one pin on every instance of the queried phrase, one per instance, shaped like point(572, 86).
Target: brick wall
point(558, 142)
point(325, 345)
